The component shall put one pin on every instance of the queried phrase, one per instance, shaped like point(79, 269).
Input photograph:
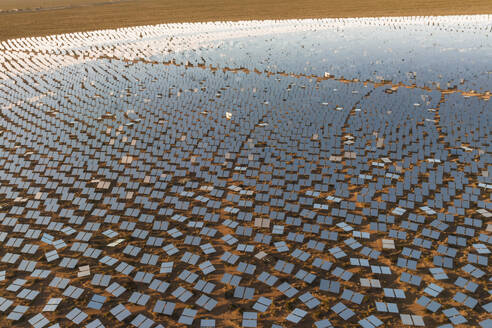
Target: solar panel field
point(292, 173)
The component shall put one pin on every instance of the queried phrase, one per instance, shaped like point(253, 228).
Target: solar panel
point(270, 180)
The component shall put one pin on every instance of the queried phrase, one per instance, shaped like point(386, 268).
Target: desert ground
point(22, 18)
point(290, 173)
